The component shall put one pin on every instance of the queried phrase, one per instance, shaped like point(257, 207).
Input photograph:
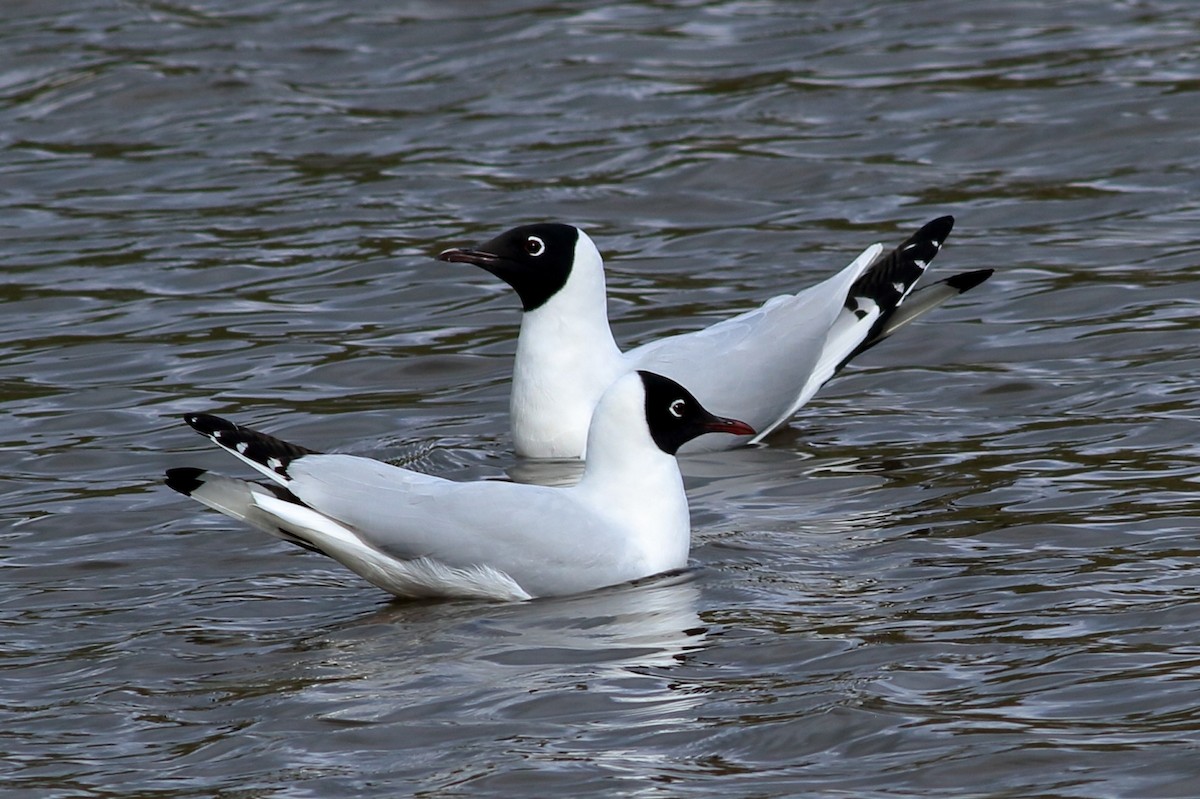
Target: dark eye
point(676, 408)
point(535, 246)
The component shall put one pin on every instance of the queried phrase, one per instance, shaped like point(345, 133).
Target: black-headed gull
point(417, 535)
point(761, 365)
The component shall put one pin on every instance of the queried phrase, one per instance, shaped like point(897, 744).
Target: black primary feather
point(965, 281)
point(888, 281)
point(184, 479)
point(261, 448)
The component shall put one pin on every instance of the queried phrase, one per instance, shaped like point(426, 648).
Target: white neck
point(631, 481)
point(566, 358)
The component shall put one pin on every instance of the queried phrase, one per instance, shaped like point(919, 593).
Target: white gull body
point(414, 534)
point(761, 365)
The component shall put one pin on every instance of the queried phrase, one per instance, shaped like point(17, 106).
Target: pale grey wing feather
point(541, 536)
point(926, 299)
point(754, 366)
point(236, 499)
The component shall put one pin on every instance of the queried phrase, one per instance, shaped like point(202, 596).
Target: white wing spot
point(899, 287)
point(274, 463)
point(867, 307)
point(242, 446)
point(920, 264)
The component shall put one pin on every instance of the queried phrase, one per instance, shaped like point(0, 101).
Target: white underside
point(420, 577)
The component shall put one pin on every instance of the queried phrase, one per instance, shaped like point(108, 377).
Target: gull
point(761, 365)
point(417, 535)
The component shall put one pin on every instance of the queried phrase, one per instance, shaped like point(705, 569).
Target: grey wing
point(526, 531)
point(754, 366)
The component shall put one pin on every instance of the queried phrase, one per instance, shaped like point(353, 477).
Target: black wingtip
point(890, 278)
point(260, 448)
point(942, 225)
point(966, 281)
point(184, 479)
point(207, 424)
point(935, 230)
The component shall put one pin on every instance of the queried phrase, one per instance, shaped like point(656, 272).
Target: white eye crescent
point(676, 408)
point(535, 246)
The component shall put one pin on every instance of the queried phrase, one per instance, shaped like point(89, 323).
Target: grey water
point(969, 568)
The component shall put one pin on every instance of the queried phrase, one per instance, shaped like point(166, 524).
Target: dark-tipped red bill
point(720, 425)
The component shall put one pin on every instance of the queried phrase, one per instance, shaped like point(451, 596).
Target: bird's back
point(754, 365)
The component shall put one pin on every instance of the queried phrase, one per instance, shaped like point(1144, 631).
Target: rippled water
point(969, 568)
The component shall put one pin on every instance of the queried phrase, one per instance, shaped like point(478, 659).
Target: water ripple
point(968, 567)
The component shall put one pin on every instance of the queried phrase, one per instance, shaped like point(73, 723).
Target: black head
point(535, 260)
point(675, 417)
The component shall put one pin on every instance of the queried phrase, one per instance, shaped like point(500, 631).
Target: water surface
point(968, 568)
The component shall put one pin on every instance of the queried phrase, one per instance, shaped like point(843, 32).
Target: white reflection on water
point(462, 657)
